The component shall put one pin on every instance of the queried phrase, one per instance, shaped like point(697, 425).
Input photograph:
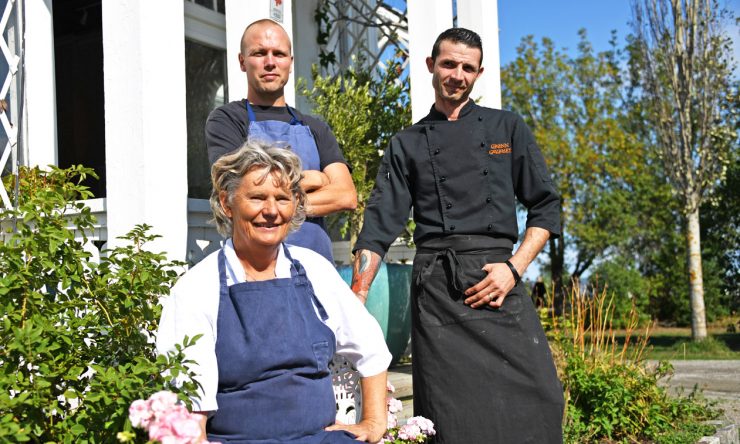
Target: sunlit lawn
point(668, 343)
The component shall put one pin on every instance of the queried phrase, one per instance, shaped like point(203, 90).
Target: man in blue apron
point(266, 58)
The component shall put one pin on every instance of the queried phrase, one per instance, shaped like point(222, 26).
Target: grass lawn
point(668, 343)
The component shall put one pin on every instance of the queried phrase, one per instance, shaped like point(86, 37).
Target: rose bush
point(76, 342)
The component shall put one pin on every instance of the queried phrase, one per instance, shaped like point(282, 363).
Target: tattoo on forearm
point(363, 262)
point(364, 269)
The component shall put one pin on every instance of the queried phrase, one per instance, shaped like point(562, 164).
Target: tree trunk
point(557, 269)
point(696, 281)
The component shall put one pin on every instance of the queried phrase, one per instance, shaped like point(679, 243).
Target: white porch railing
point(203, 239)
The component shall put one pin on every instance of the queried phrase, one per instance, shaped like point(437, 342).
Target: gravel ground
point(718, 380)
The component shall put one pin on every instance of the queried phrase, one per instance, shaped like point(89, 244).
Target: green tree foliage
point(629, 289)
point(364, 110)
point(685, 69)
point(575, 108)
point(76, 336)
point(591, 119)
point(720, 222)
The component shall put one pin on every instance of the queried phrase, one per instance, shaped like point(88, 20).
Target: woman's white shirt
point(192, 309)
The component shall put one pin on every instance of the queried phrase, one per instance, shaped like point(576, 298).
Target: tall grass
point(611, 394)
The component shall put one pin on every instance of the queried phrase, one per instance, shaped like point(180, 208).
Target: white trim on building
point(145, 95)
point(145, 124)
point(40, 85)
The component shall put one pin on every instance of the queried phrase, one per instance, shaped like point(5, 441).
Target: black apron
point(481, 375)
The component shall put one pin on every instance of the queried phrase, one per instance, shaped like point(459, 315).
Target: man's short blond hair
point(264, 22)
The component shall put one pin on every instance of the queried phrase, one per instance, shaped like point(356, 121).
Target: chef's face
point(266, 58)
point(261, 210)
point(454, 71)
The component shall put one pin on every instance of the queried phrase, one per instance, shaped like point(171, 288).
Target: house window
point(214, 5)
point(205, 84)
point(78, 55)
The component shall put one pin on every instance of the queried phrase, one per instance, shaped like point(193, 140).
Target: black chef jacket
point(461, 177)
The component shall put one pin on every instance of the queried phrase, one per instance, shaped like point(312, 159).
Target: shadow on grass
point(731, 340)
point(676, 343)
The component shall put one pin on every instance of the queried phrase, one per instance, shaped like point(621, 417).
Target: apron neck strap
point(223, 287)
point(296, 271)
point(251, 117)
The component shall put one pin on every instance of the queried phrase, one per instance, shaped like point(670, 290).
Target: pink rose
point(392, 420)
point(166, 420)
point(159, 431)
point(139, 413)
point(162, 401)
point(187, 428)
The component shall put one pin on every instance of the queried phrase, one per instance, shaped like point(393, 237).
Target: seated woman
point(272, 316)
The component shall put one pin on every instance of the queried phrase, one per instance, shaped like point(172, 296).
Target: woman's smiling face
point(261, 210)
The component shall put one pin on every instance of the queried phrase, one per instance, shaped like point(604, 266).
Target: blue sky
point(560, 20)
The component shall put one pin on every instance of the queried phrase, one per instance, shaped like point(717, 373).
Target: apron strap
point(251, 117)
point(294, 120)
point(223, 288)
point(447, 255)
point(250, 113)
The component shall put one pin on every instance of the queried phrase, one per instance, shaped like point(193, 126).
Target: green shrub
point(629, 289)
point(76, 340)
point(364, 108)
point(611, 394)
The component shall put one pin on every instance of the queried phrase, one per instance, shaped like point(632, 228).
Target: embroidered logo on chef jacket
point(500, 148)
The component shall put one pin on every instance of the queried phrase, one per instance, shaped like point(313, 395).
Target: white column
point(481, 16)
point(145, 123)
point(305, 48)
point(239, 14)
point(427, 19)
point(40, 88)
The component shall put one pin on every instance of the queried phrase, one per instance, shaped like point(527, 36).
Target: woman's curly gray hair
point(228, 171)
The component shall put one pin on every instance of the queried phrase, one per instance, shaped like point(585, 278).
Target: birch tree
point(686, 78)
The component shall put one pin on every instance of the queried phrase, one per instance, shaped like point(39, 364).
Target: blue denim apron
point(298, 136)
point(274, 384)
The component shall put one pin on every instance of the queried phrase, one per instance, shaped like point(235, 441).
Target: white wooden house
point(124, 86)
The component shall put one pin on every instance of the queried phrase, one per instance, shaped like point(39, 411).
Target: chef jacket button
point(480, 118)
point(431, 127)
point(482, 144)
point(490, 227)
point(488, 200)
point(452, 228)
point(442, 179)
point(449, 205)
point(485, 172)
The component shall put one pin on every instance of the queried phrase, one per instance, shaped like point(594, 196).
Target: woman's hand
point(367, 430)
point(374, 415)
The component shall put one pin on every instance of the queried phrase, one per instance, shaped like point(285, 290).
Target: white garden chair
point(347, 390)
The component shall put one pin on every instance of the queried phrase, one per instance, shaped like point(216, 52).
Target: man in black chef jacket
point(482, 369)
